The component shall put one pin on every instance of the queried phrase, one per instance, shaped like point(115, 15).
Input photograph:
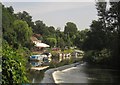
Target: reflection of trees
point(36, 75)
point(99, 76)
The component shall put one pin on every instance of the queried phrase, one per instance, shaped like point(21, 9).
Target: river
point(82, 73)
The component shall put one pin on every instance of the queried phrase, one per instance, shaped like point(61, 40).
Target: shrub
point(100, 57)
point(89, 56)
point(13, 66)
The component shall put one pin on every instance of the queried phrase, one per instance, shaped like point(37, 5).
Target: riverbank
point(48, 76)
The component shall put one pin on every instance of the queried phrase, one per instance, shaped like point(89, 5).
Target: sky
point(57, 14)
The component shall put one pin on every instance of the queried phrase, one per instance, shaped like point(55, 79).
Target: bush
point(89, 56)
point(98, 57)
point(103, 56)
point(13, 66)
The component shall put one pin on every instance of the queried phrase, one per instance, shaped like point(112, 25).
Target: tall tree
point(25, 17)
point(10, 9)
point(96, 37)
point(80, 38)
point(102, 12)
point(40, 28)
point(23, 31)
point(114, 20)
point(51, 41)
point(7, 24)
point(70, 29)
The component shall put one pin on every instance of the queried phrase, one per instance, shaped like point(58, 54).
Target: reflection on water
point(36, 76)
point(35, 63)
point(83, 73)
point(100, 75)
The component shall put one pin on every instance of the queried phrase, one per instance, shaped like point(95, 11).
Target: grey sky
point(57, 14)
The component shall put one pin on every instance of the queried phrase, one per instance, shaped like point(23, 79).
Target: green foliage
point(68, 51)
point(51, 41)
point(52, 31)
point(102, 44)
point(7, 20)
point(15, 32)
point(60, 42)
point(62, 63)
point(102, 12)
point(96, 39)
point(23, 32)
point(88, 56)
point(10, 9)
point(98, 57)
point(13, 64)
point(40, 28)
point(24, 16)
point(80, 38)
point(70, 29)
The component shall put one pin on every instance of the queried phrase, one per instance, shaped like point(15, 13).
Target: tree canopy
point(70, 28)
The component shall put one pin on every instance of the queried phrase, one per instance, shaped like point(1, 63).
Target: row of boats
point(41, 58)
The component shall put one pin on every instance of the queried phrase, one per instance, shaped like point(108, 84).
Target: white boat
point(37, 57)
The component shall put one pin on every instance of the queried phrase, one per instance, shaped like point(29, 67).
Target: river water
point(84, 73)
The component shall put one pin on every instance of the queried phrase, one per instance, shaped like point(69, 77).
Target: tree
point(114, 25)
point(7, 25)
point(102, 12)
point(80, 38)
point(102, 42)
point(60, 43)
point(70, 29)
point(51, 41)
point(10, 9)
point(25, 17)
point(23, 31)
point(51, 29)
point(96, 37)
point(7, 19)
point(40, 28)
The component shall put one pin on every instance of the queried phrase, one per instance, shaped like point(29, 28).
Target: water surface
point(87, 74)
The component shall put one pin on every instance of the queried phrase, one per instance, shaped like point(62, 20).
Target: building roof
point(41, 45)
point(38, 42)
